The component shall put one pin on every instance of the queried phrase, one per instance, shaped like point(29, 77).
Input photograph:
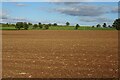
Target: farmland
point(60, 53)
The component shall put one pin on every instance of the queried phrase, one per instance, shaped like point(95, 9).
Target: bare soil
point(60, 54)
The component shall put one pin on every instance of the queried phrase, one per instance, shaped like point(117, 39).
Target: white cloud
point(4, 15)
point(96, 19)
point(83, 10)
point(14, 20)
point(20, 4)
point(115, 10)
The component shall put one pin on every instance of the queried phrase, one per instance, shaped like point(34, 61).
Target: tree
point(12, 24)
point(104, 25)
point(30, 24)
point(35, 26)
point(55, 24)
point(40, 25)
point(109, 26)
point(116, 24)
point(46, 26)
point(25, 26)
point(67, 23)
point(93, 26)
point(49, 24)
point(19, 25)
point(77, 26)
point(98, 25)
point(7, 24)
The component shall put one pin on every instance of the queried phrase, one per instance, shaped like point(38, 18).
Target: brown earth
point(60, 54)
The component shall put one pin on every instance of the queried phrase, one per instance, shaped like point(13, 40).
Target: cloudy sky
point(60, 0)
point(83, 13)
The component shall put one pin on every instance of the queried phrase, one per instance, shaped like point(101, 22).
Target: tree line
point(25, 25)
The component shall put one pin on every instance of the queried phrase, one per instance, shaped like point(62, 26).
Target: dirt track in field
point(60, 54)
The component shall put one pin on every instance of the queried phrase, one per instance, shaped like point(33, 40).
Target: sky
point(83, 13)
point(60, 0)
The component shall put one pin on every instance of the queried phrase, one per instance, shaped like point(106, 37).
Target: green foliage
point(8, 28)
point(11, 25)
point(40, 25)
point(49, 24)
point(109, 26)
point(25, 26)
point(30, 24)
point(116, 24)
point(55, 24)
point(77, 26)
point(46, 27)
point(104, 25)
point(35, 26)
point(4, 25)
point(93, 26)
point(61, 28)
point(7, 24)
point(19, 25)
point(67, 23)
point(98, 25)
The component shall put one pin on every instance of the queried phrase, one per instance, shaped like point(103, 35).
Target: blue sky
point(83, 13)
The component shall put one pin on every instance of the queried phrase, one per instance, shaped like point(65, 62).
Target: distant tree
point(109, 26)
point(29, 23)
point(49, 24)
point(19, 25)
point(55, 24)
point(35, 26)
point(12, 24)
point(3, 25)
point(25, 26)
point(104, 25)
point(7, 24)
point(93, 26)
point(67, 23)
point(40, 25)
point(77, 26)
point(46, 26)
point(116, 24)
point(98, 25)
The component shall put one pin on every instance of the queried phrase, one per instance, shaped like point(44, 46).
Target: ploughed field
point(60, 54)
